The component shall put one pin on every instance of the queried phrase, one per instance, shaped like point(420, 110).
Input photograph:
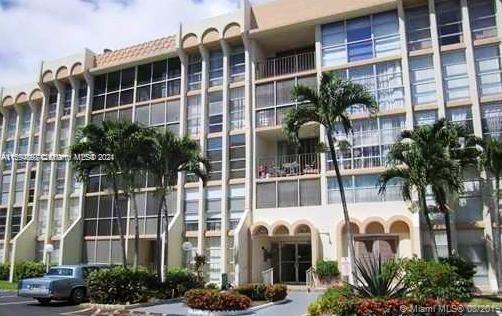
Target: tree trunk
point(158, 256)
point(166, 225)
point(118, 211)
point(425, 210)
point(498, 254)
point(447, 223)
point(352, 253)
point(136, 229)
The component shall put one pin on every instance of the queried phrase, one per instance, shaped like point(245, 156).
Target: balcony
point(288, 165)
point(492, 127)
point(279, 66)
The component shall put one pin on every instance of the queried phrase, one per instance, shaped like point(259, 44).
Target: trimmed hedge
point(326, 269)
point(213, 300)
point(119, 285)
point(276, 292)
point(178, 281)
point(255, 291)
point(28, 269)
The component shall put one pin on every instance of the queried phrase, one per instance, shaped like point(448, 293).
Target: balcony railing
point(492, 127)
point(285, 65)
point(289, 165)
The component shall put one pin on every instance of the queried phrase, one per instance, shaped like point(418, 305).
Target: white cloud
point(35, 30)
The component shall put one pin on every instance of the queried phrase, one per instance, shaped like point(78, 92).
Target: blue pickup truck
point(66, 283)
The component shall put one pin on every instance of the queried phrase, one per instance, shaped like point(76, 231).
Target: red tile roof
point(146, 49)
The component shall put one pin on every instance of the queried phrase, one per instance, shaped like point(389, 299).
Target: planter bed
point(257, 305)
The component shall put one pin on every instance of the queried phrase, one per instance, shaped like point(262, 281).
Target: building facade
point(268, 210)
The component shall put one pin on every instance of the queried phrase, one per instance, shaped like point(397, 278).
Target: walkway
point(296, 305)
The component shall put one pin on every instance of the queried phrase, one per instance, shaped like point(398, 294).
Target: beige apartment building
point(268, 211)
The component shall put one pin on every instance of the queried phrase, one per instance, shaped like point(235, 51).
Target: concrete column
point(29, 164)
point(203, 145)
point(225, 176)
point(436, 58)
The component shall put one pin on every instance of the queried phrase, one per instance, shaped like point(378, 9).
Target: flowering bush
point(255, 291)
point(338, 300)
point(407, 307)
point(276, 292)
point(206, 299)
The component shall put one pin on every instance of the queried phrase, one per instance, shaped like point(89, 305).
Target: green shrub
point(119, 285)
point(28, 269)
point(177, 282)
point(464, 268)
point(213, 300)
point(326, 269)
point(211, 286)
point(255, 291)
point(425, 279)
point(4, 271)
point(338, 301)
point(276, 292)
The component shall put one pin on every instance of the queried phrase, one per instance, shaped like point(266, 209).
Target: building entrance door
point(295, 259)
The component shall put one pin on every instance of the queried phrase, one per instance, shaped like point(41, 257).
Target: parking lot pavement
point(11, 304)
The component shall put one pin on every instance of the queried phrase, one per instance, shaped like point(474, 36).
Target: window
point(237, 65)
point(213, 255)
point(9, 148)
point(191, 199)
point(213, 208)
point(214, 154)
point(310, 192)
point(194, 72)
point(57, 217)
point(15, 225)
point(236, 206)
point(370, 141)
point(60, 177)
point(482, 16)
point(173, 116)
point(82, 96)
point(461, 116)
point(5, 189)
point(142, 116)
point(418, 30)
point(74, 211)
point(11, 123)
point(19, 189)
point(53, 103)
point(173, 76)
point(426, 117)
point(360, 189)
point(22, 149)
point(67, 100)
point(3, 222)
point(46, 177)
point(455, 78)
point(49, 137)
point(491, 120)
point(277, 99)
point(237, 109)
point(193, 115)
point(423, 83)
point(215, 68)
point(237, 156)
point(449, 19)
point(383, 80)
point(360, 38)
point(215, 122)
point(42, 218)
point(25, 121)
point(489, 70)
point(64, 134)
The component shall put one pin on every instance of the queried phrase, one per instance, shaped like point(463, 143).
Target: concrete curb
point(110, 307)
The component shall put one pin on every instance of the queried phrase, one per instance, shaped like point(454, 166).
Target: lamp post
point(49, 248)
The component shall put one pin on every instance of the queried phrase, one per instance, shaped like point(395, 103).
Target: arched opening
point(260, 230)
point(302, 229)
point(280, 230)
point(374, 228)
point(402, 230)
point(345, 243)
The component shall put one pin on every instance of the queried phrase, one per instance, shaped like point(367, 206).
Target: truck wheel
point(44, 301)
point(77, 295)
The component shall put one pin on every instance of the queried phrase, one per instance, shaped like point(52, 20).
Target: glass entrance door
point(295, 259)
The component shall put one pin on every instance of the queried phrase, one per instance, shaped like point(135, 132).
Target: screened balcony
point(285, 65)
point(288, 165)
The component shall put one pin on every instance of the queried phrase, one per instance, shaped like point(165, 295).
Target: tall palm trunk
point(498, 260)
point(118, 211)
point(158, 256)
point(166, 231)
point(447, 223)
point(136, 230)
point(425, 211)
point(352, 252)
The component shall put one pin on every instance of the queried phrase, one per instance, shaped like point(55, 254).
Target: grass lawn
point(484, 300)
point(6, 285)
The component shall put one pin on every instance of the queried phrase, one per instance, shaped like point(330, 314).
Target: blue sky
point(35, 30)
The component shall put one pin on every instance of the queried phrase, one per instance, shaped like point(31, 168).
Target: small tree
point(330, 107)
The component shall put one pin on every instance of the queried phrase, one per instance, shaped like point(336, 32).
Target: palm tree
point(492, 162)
point(106, 141)
point(171, 155)
point(330, 107)
point(132, 159)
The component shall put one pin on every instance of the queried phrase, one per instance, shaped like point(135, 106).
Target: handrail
point(268, 276)
point(285, 65)
point(289, 165)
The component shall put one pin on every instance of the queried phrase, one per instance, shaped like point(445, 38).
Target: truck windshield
point(60, 271)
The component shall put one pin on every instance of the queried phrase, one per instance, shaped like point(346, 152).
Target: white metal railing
point(268, 276)
point(288, 165)
point(309, 277)
point(285, 65)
